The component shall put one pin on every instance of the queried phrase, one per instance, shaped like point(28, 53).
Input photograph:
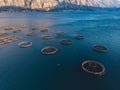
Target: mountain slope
point(60, 4)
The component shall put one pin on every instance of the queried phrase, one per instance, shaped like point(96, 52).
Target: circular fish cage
point(30, 33)
point(66, 42)
point(93, 68)
point(25, 44)
point(24, 26)
point(79, 37)
point(16, 31)
point(49, 50)
point(101, 49)
point(35, 28)
point(44, 30)
point(60, 33)
point(9, 28)
point(3, 34)
point(46, 37)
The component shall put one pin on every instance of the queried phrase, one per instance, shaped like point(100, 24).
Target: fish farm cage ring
point(101, 49)
point(66, 42)
point(30, 33)
point(16, 31)
point(8, 39)
point(24, 26)
point(3, 34)
point(93, 68)
point(25, 44)
point(60, 33)
point(46, 37)
point(44, 30)
point(35, 28)
point(79, 37)
point(9, 28)
point(49, 50)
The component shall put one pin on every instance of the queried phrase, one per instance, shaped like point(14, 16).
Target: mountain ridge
point(47, 5)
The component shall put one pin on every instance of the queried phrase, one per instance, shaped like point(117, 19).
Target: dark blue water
point(28, 69)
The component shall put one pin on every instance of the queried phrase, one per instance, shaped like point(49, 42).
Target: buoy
point(58, 65)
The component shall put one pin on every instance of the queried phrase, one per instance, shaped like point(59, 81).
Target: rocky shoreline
point(84, 8)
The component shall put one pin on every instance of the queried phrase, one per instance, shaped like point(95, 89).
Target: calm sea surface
point(28, 69)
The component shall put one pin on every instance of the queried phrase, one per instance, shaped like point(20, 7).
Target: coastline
point(81, 9)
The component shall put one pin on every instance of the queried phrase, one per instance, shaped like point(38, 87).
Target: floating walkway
point(25, 44)
point(49, 50)
point(8, 39)
point(100, 49)
point(93, 68)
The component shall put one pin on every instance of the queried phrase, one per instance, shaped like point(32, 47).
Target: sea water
point(28, 69)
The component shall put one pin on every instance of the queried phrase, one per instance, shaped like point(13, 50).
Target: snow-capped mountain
point(60, 4)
